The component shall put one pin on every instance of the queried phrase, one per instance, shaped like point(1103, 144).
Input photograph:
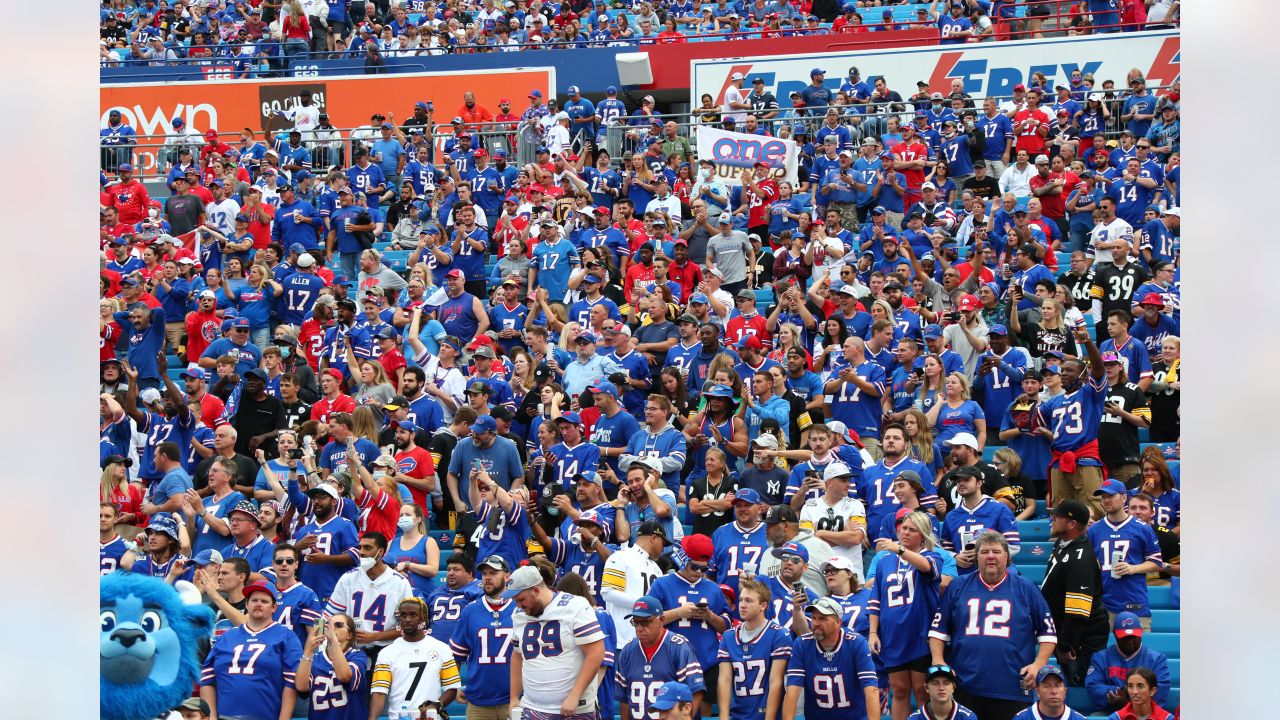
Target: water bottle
point(404, 712)
point(1116, 557)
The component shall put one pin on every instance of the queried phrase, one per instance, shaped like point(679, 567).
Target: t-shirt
point(729, 254)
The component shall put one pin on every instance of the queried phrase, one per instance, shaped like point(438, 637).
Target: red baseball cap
point(211, 133)
point(968, 303)
point(334, 373)
point(602, 210)
point(1152, 299)
point(697, 547)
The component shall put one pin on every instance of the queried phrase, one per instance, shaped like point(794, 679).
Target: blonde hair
point(364, 424)
point(922, 443)
point(379, 374)
point(108, 485)
point(920, 521)
point(565, 332)
point(1012, 461)
point(964, 384)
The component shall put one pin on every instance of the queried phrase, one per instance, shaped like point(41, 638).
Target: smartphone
point(295, 454)
point(702, 604)
point(797, 587)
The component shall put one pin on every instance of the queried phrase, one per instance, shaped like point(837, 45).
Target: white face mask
point(366, 563)
point(406, 522)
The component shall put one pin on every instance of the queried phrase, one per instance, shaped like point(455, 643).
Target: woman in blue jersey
point(1092, 120)
point(254, 300)
point(904, 600)
point(232, 276)
point(413, 552)
point(955, 413)
point(1157, 481)
point(932, 386)
point(213, 280)
point(784, 213)
point(941, 176)
point(638, 182)
point(334, 672)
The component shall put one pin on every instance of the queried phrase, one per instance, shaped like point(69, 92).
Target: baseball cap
point(817, 71)
point(746, 495)
point(942, 671)
point(836, 470)
point(522, 579)
point(1049, 671)
point(207, 557)
point(1111, 357)
point(671, 694)
point(1042, 160)
point(497, 562)
point(791, 549)
point(964, 438)
point(654, 528)
point(825, 605)
point(325, 488)
point(837, 562)
point(998, 329)
point(195, 703)
point(932, 331)
point(928, 186)
point(262, 587)
point(483, 424)
point(765, 440)
point(1071, 510)
point(698, 547)
point(247, 507)
point(725, 219)
point(699, 298)
point(749, 341)
point(257, 374)
point(572, 418)
point(405, 425)
point(194, 373)
point(780, 514)
point(485, 351)
point(646, 607)
point(968, 303)
point(1127, 625)
point(652, 463)
point(737, 76)
point(1111, 487)
point(586, 337)
point(149, 396)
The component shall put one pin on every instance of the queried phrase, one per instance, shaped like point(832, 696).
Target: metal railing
point(152, 156)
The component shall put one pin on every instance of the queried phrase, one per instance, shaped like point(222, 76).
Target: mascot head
point(148, 641)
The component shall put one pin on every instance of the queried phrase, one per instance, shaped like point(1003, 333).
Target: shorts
point(531, 714)
point(920, 665)
point(1040, 10)
point(495, 712)
point(711, 679)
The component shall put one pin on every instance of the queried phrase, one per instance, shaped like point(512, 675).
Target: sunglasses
point(697, 567)
point(285, 561)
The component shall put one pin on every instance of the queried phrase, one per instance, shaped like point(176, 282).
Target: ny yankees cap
point(522, 579)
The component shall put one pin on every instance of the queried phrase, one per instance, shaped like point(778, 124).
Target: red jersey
point(107, 339)
point(130, 200)
point(418, 464)
point(379, 512)
point(912, 151)
point(670, 37)
point(324, 407)
point(1055, 206)
point(116, 230)
point(113, 281)
point(202, 330)
point(261, 231)
point(741, 326)
point(758, 204)
point(390, 362)
point(637, 272)
point(1027, 125)
point(687, 276)
point(217, 146)
point(128, 500)
point(311, 340)
point(211, 407)
point(203, 193)
point(965, 270)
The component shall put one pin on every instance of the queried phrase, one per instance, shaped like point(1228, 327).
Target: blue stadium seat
point(1160, 598)
point(1166, 621)
point(1034, 573)
point(1168, 643)
point(1033, 530)
point(397, 260)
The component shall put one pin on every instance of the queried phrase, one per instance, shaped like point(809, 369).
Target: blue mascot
point(149, 641)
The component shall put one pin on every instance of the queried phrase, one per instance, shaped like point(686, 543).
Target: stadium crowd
point(262, 37)
point(679, 409)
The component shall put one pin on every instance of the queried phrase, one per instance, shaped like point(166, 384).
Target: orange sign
point(232, 105)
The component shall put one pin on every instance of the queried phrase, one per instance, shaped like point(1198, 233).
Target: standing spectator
point(731, 254)
point(1125, 410)
point(118, 139)
point(653, 657)
point(829, 666)
point(997, 629)
point(1073, 589)
point(268, 691)
point(416, 669)
point(1076, 469)
point(1127, 549)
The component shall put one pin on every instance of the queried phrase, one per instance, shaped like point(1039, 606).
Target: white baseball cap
point(522, 579)
point(835, 470)
point(305, 260)
point(837, 562)
point(964, 438)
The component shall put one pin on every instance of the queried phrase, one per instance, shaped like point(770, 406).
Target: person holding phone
point(334, 671)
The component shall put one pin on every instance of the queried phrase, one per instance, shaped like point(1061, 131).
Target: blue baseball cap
point(792, 549)
point(573, 90)
point(698, 298)
point(178, 122)
point(499, 153)
point(301, 175)
point(586, 337)
point(1051, 670)
point(405, 425)
point(933, 331)
point(604, 387)
point(591, 477)
point(535, 93)
point(1111, 487)
point(669, 695)
point(124, 167)
point(998, 329)
point(240, 322)
point(646, 607)
point(611, 90)
point(420, 104)
point(747, 495)
point(194, 373)
point(817, 71)
point(593, 279)
point(1127, 624)
point(878, 210)
point(483, 424)
point(207, 557)
point(572, 418)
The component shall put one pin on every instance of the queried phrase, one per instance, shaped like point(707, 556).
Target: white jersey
point(557, 139)
point(550, 648)
point(1115, 230)
point(305, 119)
point(371, 603)
point(627, 576)
point(733, 94)
point(222, 216)
point(414, 672)
point(846, 514)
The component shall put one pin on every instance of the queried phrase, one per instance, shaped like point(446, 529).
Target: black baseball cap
point(1071, 510)
point(654, 528)
point(779, 514)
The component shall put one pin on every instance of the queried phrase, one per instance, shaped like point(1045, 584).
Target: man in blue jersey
point(999, 374)
point(660, 442)
point(752, 659)
point(145, 341)
point(1051, 697)
point(614, 428)
point(249, 673)
point(875, 487)
point(1076, 468)
point(997, 630)
point(553, 260)
point(327, 543)
point(572, 456)
point(997, 128)
point(1127, 549)
point(1109, 668)
point(854, 392)
point(654, 657)
point(940, 687)
point(448, 600)
point(482, 642)
point(832, 668)
point(300, 291)
point(740, 545)
point(697, 608)
point(974, 514)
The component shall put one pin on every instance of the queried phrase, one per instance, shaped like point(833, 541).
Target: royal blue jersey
point(875, 490)
point(109, 554)
point(257, 553)
point(466, 257)
point(680, 356)
point(956, 150)
point(206, 538)
point(335, 536)
point(481, 642)
point(248, 356)
point(446, 606)
point(1133, 356)
point(332, 699)
point(751, 663)
point(614, 432)
point(992, 632)
point(502, 318)
point(736, 547)
point(160, 428)
point(997, 131)
point(1003, 383)
point(580, 311)
point(1131, 199)
point(782, 602)
point(667, 443)
point(963, 525)
point(422, 175)
point(299, 609)
point(796, 479)
point(250, 670)
point(673, 591)
point(1152, 336)
point(422, 585)
point(572, 461)
point(905, 599)
point(636, 678)
point(300, 293)
point(366, 178)
point(611, 238)
point(834, 681)
point(145, 565)
point(1074, 416)
point(1137, 543)
point(573, 559)
point(554, 262)
point(955, 420)
point(508, 535)
point(859, 411)
point(1031, 447)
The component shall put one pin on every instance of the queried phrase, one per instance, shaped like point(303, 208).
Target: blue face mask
point(285, 353)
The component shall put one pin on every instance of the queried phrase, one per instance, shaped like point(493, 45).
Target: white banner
point(985, 69)
point(733, 152)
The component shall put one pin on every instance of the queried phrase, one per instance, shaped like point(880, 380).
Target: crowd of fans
point(262, 37)
point(581, 356)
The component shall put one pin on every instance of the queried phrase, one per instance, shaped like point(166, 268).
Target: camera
point(953, 316)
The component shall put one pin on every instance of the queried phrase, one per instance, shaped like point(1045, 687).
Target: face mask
point(937, 106)
point(406, 522)
point(366, 563)
point(285, 353)
point(704, 173)
point(153, 213)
